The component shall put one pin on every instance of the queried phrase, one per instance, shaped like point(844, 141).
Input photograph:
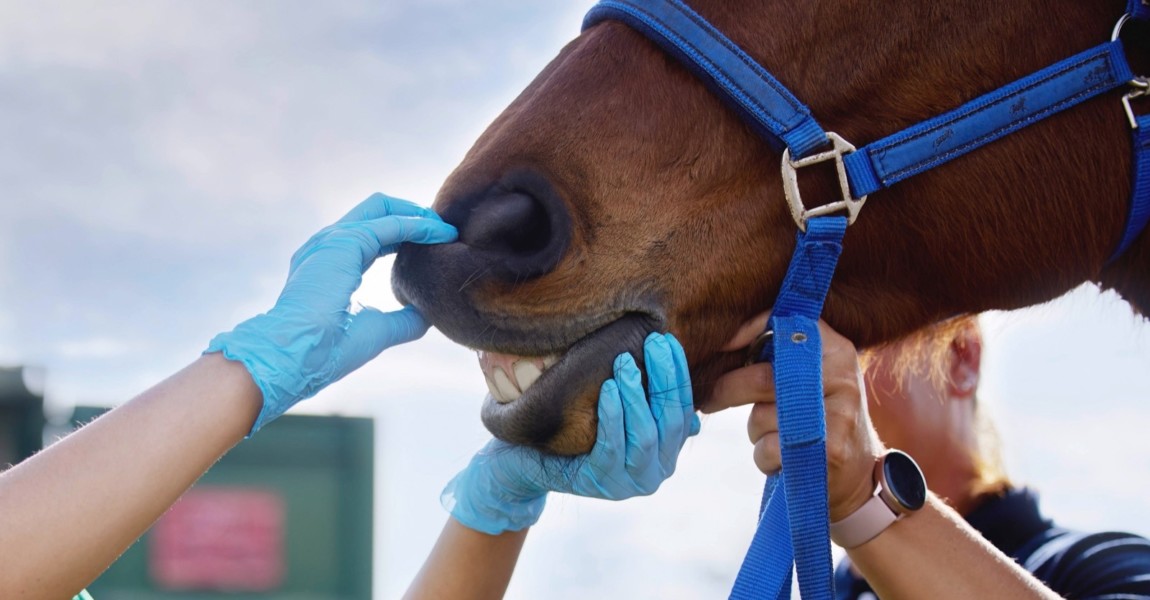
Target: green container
point(21, 418)
point(286, 514)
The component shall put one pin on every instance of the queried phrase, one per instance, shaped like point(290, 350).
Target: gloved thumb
point(372, 331)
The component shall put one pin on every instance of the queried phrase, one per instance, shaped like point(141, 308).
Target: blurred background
point(161, 160)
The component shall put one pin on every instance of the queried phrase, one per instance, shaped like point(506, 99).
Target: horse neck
point(1018, 222)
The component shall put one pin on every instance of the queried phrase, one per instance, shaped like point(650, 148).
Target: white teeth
point(507, 390)
point(526, 372)
point(495, 393)
point(550, 360)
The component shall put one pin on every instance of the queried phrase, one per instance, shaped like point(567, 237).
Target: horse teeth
point(526, 372)
point(550, 360)
point(507, 390)
point(495, 393)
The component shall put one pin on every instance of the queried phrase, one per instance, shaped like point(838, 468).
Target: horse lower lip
point(557, 411)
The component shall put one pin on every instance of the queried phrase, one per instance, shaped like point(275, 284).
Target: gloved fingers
point(666, 410)
point(642, 434)
point(361, 242)
point(328, 269)
point(393, 231)
point(372, 331)
point(686, 395)
point(380, 205)
point(609, 453)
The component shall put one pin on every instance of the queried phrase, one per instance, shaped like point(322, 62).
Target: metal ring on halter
point(1118, 28)
point(839, 148)
point(755, 350)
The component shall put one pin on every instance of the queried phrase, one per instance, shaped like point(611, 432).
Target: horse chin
point(551, 402)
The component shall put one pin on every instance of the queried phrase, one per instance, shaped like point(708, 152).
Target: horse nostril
point(511, 224)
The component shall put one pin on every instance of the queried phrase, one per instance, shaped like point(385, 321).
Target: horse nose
point(520, 227)
point(513, 224)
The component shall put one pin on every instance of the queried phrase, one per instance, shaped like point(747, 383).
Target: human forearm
point(935, 554)
point(71, 510)
point(468, 565)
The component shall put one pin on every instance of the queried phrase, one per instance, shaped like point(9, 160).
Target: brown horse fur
point(676, 204)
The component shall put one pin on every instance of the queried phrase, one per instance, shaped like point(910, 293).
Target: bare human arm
point(932, 553)
point(71, 510)
point(466, 563)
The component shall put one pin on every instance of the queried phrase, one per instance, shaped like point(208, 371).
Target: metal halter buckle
point(1139, 87)
point(799, 213)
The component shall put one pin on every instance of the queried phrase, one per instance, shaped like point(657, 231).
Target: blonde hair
point(927, 351)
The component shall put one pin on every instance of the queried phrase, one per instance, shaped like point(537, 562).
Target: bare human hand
point(852, 444)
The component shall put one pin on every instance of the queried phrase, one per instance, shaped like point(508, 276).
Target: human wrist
point(858, 489)
point(483, 498)
point(899, 491)
point(269, 347)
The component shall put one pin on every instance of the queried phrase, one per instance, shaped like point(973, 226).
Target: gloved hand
point(311, 337)
point(504, 488)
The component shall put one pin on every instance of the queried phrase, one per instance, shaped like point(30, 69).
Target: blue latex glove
point(311, 337)
point(504, 488)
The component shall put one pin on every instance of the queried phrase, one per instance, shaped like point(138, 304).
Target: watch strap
point(864, 524)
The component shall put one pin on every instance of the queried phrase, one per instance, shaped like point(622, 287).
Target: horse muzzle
point(544, 360)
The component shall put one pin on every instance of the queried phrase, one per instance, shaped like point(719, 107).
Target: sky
point(161, 160)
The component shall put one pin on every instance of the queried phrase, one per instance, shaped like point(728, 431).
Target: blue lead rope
point(796, 353)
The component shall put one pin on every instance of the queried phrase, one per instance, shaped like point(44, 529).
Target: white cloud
point(98, 348)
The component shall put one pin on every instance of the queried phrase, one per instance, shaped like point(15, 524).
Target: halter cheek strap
point(793, 525)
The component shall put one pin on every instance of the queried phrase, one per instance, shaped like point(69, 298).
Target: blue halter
point(796, 500)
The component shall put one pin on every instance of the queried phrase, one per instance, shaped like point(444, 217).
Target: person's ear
point(965, 362)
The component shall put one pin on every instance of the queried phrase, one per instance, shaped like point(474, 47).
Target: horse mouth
point(508, 376)
point(551, 401)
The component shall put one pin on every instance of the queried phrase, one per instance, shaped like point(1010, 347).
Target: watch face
point(905, 480)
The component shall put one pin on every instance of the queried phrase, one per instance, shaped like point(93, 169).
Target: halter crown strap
point(680, 31)
point(987, 118)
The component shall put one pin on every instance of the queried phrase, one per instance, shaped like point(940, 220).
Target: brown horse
point(617, 195)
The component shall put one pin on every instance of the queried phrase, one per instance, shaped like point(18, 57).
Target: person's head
point(922, 392)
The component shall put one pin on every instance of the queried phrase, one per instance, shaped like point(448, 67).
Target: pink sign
point(221, 539)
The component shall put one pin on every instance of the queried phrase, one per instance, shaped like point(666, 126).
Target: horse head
point(617, 195)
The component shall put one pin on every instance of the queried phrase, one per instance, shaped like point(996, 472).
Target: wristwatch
point(900, 491)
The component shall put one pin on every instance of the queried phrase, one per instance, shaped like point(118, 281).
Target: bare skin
point(84, 500)
point(467, 565)
point(952, 560)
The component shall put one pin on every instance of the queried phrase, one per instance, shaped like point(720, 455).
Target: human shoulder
point(1085, 565)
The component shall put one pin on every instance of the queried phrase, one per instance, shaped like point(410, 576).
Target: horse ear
point(965, 361)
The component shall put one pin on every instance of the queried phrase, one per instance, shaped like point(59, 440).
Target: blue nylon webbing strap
point(1140, 196)
point(719, 62)
point(1139, 9)
point(797, 356)
point(987, 118)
